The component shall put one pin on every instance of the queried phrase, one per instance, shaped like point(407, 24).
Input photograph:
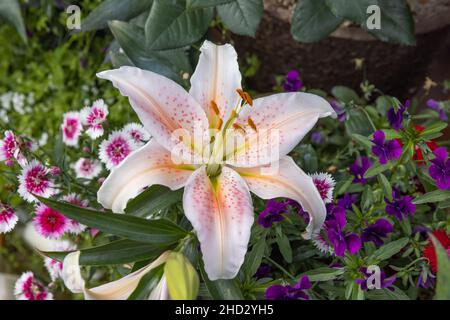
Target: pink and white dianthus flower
point(137, 132)
point(8, 218)
point(324, 183)
point(87, 169)
point(35, 179)
point(28, 288)
point(71, 128)
point(93, 117)
point(50, 223)
point(10, 149)
point(116, 148)
point(75, 227)
point(54, 267)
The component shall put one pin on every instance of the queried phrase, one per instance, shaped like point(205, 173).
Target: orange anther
point(238, 127)
point(245, 96)
point(251, 124)
point(215, 107)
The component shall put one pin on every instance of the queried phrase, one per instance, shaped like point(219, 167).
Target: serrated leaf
point(158, 231)
point(312, 21)
point(242, 16)
point(110, 10)
point(171, 24)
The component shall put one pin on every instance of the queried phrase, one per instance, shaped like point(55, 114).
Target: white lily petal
point(164, 107)
point(221, 213)
point(288, 181)
point(152, 164)
point(161, 291)
point(281, 120)
point(216, 78)
point(117, 290)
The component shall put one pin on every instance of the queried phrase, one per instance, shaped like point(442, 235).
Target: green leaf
point(171, 24)
point(117, 252)
point(388, 250)
point(312, 21)
point(342, 186)
point(344, 94)
point(182, 279)
point(254, 257)
point(161, 232)
point(222, 289)
point(324, 273)
point(110, 10)
point(433, 196)
point(432, 129)
point(284, 246)
point(242, 16)
point(396, 22)
point(385, 186)
point(152, 200)
point(10, 11)
point(443, 274)
point(386, 294)
point(364, 141)
point(376, 169)
point(358, 122)
point(147, 284)
point(170, 63)
point(206, 3)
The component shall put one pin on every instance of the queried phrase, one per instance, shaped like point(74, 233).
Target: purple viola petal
point(395, 119)
point(303, 283)
point(353, 243)
point(442, 115)
point(293, 75)
point(359, 168)
point(394, 150)
point(441, 154)
point(386, 283)
point(377, 231)
point(276, 292)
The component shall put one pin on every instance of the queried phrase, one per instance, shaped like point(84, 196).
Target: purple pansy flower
point(384, 283)
point(295, 292)
point(272, 213)
point(395, 118)
point(400, 206)
point(359, 168)
point(339, 239)
point(440, 168)
point(433, 104)
point(348, 200)
point(264, 271)
point(376, 231)
point(385, 150)
point(341, 115)
point(292, 82)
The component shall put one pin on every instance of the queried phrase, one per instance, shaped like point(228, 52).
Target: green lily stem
point(281, 268)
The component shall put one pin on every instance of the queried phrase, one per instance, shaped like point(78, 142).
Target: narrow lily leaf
point(182, 279)
point(161, 232)
point(222, 289)
point(114, 10)
point(147, 284)
point(388, 250)
point(152, 200)
point(443, 271)
point(117, 252)
point(10, 11)
point(433, 196)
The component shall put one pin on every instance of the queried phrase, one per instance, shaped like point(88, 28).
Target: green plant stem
point(281, 268)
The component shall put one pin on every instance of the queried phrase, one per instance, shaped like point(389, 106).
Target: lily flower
point(194, 146)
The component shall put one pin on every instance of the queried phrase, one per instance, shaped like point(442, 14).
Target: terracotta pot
point(397, 69)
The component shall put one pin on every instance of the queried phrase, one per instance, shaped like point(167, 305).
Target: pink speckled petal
point(152, 164)
point(282, 120)
point(288, 181)
point(221, 213)
point(165, 109)
point(216, 78)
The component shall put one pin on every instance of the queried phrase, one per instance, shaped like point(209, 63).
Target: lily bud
point(181, 277)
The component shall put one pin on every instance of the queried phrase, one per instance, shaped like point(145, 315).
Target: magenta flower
point(50, 223)
point(340, 240)
point(272, 213)
point(440, 168)
point(8, 218)
point(137, 132)
point(87, 169)
point(71, 128)
point(54, 267)
point(377, 231)
point(324, 183)
point(75, 227)
point(93, 117)
point(359, 168)
point(385, 150)
point(296, 292)
point(35, 179)
point(401, 206)
point(292, 82)
point(116, 148)
point(27, 288)
point(8, 146)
